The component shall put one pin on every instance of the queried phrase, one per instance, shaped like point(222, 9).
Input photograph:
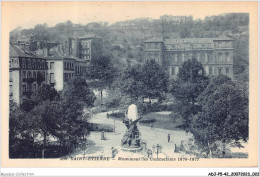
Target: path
point(152, 136)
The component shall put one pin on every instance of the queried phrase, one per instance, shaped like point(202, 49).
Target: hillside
point(124, 40)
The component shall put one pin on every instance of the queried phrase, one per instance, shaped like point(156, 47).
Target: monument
point(131, 139)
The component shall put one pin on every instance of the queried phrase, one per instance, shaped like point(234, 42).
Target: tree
point(78, 90)
point(224, 115)
point(76, 98)
point(154, 81)
point(101, 73)
point(43, 93)
point(22, 132)
point(191, 82)
point(44, 115)
point(130, 82)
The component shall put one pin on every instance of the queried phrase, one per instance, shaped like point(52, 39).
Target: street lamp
point(157, 149)
point(114, 124)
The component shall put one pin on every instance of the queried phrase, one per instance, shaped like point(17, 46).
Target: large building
point(53, 63)
point(215, 54)
point(62, 68)
point(27, 72)
point(84, 47)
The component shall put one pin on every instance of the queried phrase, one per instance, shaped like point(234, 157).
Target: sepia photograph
point(104, 85)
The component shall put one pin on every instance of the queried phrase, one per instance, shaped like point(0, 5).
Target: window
point(227, 71)
point(43, 65)
point(34, 75)
point(29, 63)
point(34, 87)
point(202, 57)
point(10, 89)
point(33, 65)
point(52, 78)
point(10, 77)
point(227, 57)
point(29, 74)
point(219, 71)
point(37, 65)
point(24, 74)
point(180, 58)
point(43, 75)
point(219, 57)
point(24, 88)
point(23, 63)
point(51, 65)
point(210, 70)
point(173, 71)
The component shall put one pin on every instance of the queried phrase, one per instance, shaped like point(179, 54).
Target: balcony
point(28, 93)
point(29, 80)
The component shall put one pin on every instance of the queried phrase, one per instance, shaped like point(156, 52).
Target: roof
point(87, 36)
point(223, 38)
point(55, 54)
point(154, 39)
point(195, 40)
point(16, 51)
point(188, 40)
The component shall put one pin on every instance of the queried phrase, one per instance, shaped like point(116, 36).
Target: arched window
point(34, 74)
point(34, 65)
point(43, 64)
point(29, 74)
point(23, 63)
point(202, 57)
point(220, 57)
point(43, 75)
point(179, 57)
point(227, 58)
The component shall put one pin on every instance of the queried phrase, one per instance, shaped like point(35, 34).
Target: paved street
point(152, 136)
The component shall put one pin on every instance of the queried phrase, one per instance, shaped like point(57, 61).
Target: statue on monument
point(131, 138)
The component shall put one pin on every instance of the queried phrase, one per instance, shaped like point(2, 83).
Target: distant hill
point(124, 39)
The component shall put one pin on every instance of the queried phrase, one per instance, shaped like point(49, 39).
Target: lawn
point(161, 120)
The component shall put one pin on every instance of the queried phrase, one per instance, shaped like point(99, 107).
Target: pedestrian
point(182, 147)
point(149, 153)
point(151, 125)
point(107, 115)
point(176, 149)
point(153, 148)
point(169, 137)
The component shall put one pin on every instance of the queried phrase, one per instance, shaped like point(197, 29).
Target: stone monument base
point(131, 149)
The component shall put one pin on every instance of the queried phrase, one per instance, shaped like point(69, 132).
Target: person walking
point(151, 125)
point(169, 137)
point(153, 148)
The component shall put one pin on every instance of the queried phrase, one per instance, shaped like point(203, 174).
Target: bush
point(148, 121)
point(100, 127)
point(117, 115)
point(99, 109)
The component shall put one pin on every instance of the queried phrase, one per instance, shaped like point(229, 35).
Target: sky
point(28, 14)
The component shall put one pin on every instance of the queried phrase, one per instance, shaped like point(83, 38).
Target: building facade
point(27, 72)
point(54, 63)
point(84, 47)
point(215, 54)
point(63, 68)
